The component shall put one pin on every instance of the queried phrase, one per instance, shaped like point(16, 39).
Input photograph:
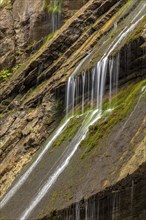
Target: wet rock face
point(124, 201)
point(31, 21)
point(32, 118)
point(7, 40)
point(25, 22)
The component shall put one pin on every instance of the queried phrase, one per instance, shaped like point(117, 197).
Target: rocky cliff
point(32, 97)
point(24, 24)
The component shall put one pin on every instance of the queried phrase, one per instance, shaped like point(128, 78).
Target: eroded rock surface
point(32, 98)
point(24, 22)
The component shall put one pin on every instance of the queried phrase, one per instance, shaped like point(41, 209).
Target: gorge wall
point(33, 103)
point(125, 200)
point(23, 26)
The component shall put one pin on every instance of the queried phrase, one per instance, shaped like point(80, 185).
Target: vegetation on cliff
point(33, 93)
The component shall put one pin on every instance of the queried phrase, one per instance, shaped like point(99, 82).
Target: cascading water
point(25, 176)
point(90, 118)
point(77, 211)
point(88, 87)
point(55, 14)
point(97, 81)
point(116, 205)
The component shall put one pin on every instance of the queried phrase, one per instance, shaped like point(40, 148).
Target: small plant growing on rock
point(4, 74)
point(55, 8)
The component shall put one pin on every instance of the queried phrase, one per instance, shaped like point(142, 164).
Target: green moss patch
point(137, 32)
point(123, 103)
point(5, 74)
point(55, 8)
point(68, 134)
point(6, 3)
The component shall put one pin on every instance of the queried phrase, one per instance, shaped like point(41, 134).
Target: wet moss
point(122, 103)
point(55, 8)
point(134, 35)
point(137, 32)
point(70, 131)
point(45, 5)
point(5, 74)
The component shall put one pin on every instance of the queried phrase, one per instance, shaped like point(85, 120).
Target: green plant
point(4, 74)
point(15, 68)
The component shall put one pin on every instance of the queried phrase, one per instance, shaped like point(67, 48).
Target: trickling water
point(25, 176)
point(56, 15)
point(89, 120)
point(111, 65)
point(115, 207)
point(98, 72)
point(132, 196)
point(115, 25)
point(86, 210)
point(93, 88)
point(77, 211)
point(72, 91)
point(83, 91)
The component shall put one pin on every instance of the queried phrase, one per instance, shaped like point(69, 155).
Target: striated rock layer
point(125, 200)
point(24, 24)
point(32, 100)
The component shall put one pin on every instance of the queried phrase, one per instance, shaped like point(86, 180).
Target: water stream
point(89, 86)
point(25, 176)
point(56, 15)
point(90, 119)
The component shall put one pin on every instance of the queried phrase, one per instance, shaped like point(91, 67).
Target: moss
point(123, 103)
point(70, 131)
point(137, 32)
point(15, 68)
point(5, 74)
point(1, 116)
point(107, 32)
point(55, 8)
point(32, 58)
point(6, 3)
point(45, 5)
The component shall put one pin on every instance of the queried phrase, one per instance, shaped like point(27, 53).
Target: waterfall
point(25, 176)
point(77, 209)
point(98, 75)
point(97, 89)
point(86, 210)
point(115, 206)
point(72, 91)
point(55, 15)
point(83, 91)
point(90, 86)
point(90, 119)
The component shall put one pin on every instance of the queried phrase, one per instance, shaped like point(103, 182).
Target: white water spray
point(101, 69)
point(92, 118)
point(56, 15)
point(25, 176)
